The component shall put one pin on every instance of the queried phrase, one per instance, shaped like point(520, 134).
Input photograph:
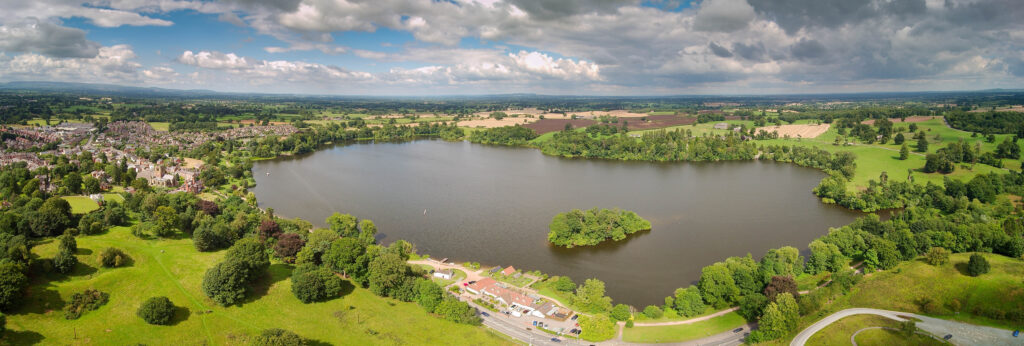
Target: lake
point(493, 205)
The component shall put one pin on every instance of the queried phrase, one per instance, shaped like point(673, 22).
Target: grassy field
point(839, 333)
point(160, 126)
point(683, 332)
point(82, 204)
point(173, 268)
point(903, 288)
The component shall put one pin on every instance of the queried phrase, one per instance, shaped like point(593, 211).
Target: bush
point(12, 284)
point(977, 265)
point(620, 312)
point(156, 310)
point(937, 256)
point(311, 283)
point(277, 337)
point(596, 327)
point(85, 301)
point(564, 284)
point(653, 312)
point(64, 262)
point(456, 311)
point(113, 257)
point(225, 283)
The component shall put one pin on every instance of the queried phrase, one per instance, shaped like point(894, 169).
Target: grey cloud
point(47, 39)
point(807, 49)
point(282, 5)
point(719, 50)
point(723, 15)
point(792, 15)
point(753, 52)
point(551, 10)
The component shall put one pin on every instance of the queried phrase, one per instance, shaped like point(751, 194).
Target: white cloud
point(111, 64)
point(264, 71)
point(545, 65)
point(34, 36)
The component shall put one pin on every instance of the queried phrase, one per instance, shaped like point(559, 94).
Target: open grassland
point(906, 287)
point(82, 204)
point(839, 333)
point(173, 268)
point(683, 332)
point(160, 126)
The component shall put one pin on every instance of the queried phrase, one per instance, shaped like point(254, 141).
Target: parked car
point(534, 323)
point(555, 340)
point(574, 317)
point(737, 330)
point(485, 314)
point(947, 337)
point(1016, 333)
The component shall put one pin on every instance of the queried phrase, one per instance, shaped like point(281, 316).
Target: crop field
point(797, 130)
point(552, 125)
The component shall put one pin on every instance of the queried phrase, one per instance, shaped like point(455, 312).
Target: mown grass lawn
point(82, 204)
point(160, 126)
point(684, 332)
point(839, 333)
point(173, 268)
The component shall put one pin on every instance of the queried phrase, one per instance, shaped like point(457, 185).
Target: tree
point(564, 284)
point(287, 246)
point(1008, 149)
point(620, 312)
point(782, 261)
point(429, 294)
point(269, 229)
point(73, 182)
point(752, 306)
point(779, 285)
point(312, 284)
point(385, 274)
point(456, 311)
point(653, 312)
point(922, 144)
point(937, 256)
point(688, 302)
point(113, 257)
point(779, 319)
point(156, 310)
point(65, 259)
point(277, 337)
point(824, 258)
point(904, 152)
point(52, 218)
point(251, 253)
point(166, 221)
point(744, 273)
point(346, 256)
point(343, 224)
point(596, 327)
point(898, 139)
point(908, 328)
point(367, 231)
point(977, 265)
point(717, 286)
point(590, 297)
point(12, 284)
point(92, 185)
point(226, 282)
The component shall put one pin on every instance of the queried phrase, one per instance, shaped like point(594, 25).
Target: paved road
point(963, 333)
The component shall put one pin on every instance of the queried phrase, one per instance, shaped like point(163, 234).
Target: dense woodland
point(593, 226)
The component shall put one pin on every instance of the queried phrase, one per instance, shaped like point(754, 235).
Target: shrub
point(85, 301)
point(456, 311)
point(653, 312)
point(596, 328)
point(64, 262)
point(225, 283)
point(564, 284)
point(113, 257)
point(977, 265)
point(937, 256)
point(311, 283)
point(156, 310)
point(12, 284)
point(277, 337)
point(620, 312)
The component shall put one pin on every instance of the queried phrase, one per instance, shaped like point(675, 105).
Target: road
point(963, 333)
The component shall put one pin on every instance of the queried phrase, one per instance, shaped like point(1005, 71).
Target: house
point(494, 270)
point(722, 126)
point(98, 198)
point(508, 271)
point(446, 274)
point(481, 285)
point(519, 303)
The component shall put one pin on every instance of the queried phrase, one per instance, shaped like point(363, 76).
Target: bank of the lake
point(493, 204)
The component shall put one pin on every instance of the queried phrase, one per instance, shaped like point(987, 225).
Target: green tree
point(620, 312)
point(688, 301)
point(367, 231)
point(345, 256)
point(313, 284)
point(429, 294)
point(12, 283)
point(226, 282)
point(937, 256)
point(904, 152)
point(744, 273)
point(717, 286)
point(277, 337)
point(456, 311)
point(752, 306)
point(922, 144)
point(91, 185)
point(590, 297)
point(653, 312)
point(251, 253)
point(113, 257)
point(779, 319)
point(72, 182)
point(564, 284)
point(166, 221)
point(825, 258)
point(385, 274)
point(156, 310)
point(977, 265)
point(51, 219)
point(898, 139)
point(596, 327)
point(343, 224)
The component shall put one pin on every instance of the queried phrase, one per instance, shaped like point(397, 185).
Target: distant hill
point(89, 88)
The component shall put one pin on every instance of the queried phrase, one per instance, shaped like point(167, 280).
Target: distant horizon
point(242, 93)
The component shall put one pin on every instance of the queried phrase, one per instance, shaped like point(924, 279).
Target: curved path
point(963, 333)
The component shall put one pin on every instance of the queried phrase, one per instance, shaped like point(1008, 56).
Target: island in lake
point(591, 227)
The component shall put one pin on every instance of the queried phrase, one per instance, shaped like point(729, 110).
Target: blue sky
point(601, 47)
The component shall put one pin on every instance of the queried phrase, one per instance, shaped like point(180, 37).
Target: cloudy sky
point(600, 47)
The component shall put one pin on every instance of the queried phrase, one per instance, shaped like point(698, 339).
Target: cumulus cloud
point(723, 15)
point(111, 64)
point(264, 71)
point(48, 39)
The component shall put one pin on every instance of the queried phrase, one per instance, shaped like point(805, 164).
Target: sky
point(558, 47)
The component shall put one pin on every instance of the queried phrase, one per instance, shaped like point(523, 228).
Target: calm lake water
point(493, 205)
